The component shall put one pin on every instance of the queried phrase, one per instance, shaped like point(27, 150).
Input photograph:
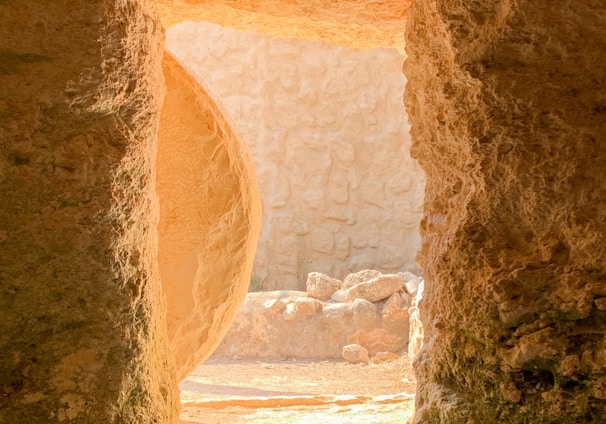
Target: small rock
point(394, 305)
point(274, 306)
point(355, 354)
point(377, 340)
point(376, 289)
point(365, 314)
point(385, 357)
point(321, 286)
point(307, 306)
point(359, 277)
point(339, 296)
point(412, 286)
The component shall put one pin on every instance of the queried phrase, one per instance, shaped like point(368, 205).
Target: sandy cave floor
point(226, 391)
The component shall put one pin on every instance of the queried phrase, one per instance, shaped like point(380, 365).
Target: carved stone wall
point(507, 101)
point(82, 320)
point(328, 134)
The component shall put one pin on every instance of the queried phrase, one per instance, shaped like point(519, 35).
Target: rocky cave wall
point(354, 23)
point(507, 101)
point(82, 320)
point(328, 134)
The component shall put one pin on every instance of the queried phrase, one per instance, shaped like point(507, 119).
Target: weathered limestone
point(82, 320)
point(360, 277)
point(327, 131)
point(359, 24)
point(355, 354)
point(210, 218)
point(376, 289)
point(507, 101)
point(321, 286)
point(285, 323)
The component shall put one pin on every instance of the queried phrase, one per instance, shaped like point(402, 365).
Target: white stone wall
point(327, 130)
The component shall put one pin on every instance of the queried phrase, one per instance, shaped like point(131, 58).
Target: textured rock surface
point(285, 323)
point(359, 24)
point(82, 322)
point(416, 333)
point(321, 286)
point(355, 354)
point(377, 340)
point(507, 102)
point(360, 277)
point(376, 289)
point(328, 135)
point(210, 217)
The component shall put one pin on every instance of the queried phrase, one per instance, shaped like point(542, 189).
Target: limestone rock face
point(210, 217)
point(328, 135)
point(359, 24)
point(507, 102)
point(416, 334)
point(82, 319)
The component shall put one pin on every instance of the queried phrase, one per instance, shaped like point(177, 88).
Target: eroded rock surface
point(284, 324)
point(355, 354)
point(82, 320)
point(359, 24)
point(507, 102)
point(210, 217)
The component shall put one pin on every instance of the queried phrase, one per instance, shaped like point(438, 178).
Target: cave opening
point(327, 130)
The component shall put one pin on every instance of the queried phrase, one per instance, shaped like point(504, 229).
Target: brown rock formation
point(210, 218)
point(82, 335)
point(508, 107)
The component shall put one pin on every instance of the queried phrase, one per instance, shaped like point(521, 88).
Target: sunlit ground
point(252, 391)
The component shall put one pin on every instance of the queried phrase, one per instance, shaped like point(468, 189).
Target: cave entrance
point(327, 131)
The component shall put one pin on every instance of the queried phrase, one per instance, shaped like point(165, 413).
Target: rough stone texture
point(210, 218)
point(416, 333)
point(359, 24)
point(376, 289)
point(327, 131)
point(394, 313)
point(378, 340)
point(507, 101)
point(355, 354)
point(359, 277)
point(321, 286)
point(282, 324)
point(82, 320)
point(365, 314)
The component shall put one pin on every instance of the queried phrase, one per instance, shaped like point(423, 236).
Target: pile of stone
point(364, 316)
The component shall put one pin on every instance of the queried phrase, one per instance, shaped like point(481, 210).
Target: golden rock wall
point(82, 319)
point(507, 102)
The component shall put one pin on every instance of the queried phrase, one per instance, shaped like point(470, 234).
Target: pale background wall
point(327, 130)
